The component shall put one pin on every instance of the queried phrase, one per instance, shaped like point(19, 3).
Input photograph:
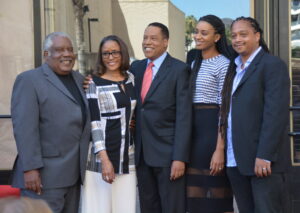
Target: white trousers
point(98, 196)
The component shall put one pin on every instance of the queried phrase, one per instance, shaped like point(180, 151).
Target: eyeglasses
point(114, 54)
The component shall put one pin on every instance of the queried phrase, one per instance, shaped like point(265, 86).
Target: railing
point(5, 174)
point(295, 140)
point(5, 116)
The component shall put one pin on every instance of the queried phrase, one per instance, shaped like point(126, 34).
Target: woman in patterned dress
point(110, 182)
point(208, 188)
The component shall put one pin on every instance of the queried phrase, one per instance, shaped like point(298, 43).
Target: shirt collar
point(157, 62)
point(238, 60)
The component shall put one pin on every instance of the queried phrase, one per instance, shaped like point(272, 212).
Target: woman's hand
point(132, 125)
point(86, 82)
point(217, 162)
point(108, 173)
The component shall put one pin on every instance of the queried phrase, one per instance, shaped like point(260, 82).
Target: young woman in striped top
point(208, 189)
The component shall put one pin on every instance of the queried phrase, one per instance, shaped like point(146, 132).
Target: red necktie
point(147, 81)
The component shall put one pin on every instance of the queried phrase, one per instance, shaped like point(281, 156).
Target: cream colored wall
point(177, 32)
point(101, 9)
point(16, 55)
point(64, 20)
point(131, 17)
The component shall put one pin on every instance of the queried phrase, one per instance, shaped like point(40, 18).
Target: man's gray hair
point(48, 42)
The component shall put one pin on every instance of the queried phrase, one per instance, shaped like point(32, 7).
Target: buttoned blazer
point(163, 121)
point(48, 128)
point(260, 114)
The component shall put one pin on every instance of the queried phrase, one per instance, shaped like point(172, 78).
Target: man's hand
point(32, 181)
point(177, 169)
point(86, 82)
point(262, 168)
point(132, 125)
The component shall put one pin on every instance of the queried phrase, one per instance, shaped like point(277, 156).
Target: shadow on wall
point(120, 26)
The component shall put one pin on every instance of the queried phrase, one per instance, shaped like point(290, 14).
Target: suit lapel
point(252, 68)
point(160, 75)
point(54, 80)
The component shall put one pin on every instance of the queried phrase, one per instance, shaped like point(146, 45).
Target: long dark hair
point(221, 44)
point(100, 68)
point(227, 87)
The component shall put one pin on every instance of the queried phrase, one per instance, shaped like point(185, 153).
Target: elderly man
point(51, 126)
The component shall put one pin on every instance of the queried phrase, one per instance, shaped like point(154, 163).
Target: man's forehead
point(153, 28)
point(241, 30)
point(61, 41)
point(153, 31)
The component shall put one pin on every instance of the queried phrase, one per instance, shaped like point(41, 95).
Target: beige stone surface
point(130, 18)
point(16, 55)
point(16, 45)
point(8, 149)
point(176, 22)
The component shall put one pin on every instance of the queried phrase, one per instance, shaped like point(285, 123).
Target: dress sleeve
point(98, 125)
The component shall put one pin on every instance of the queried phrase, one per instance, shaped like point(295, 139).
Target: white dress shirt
point(157, 63)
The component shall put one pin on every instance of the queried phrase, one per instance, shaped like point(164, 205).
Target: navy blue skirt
point(205, 193)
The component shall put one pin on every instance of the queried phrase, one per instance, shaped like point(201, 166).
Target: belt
point(206, 106)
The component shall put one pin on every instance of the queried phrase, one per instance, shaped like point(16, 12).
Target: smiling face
point(205, 36)
point(154, 43)
point(60, 56)
point(111, 56)
point(244, 38)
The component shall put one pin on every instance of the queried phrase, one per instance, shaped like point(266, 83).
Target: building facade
point(24, 24)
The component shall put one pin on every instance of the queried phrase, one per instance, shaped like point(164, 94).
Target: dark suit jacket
point(163, 121)
point(191, 55)
point(48, 128)
point(260, 114)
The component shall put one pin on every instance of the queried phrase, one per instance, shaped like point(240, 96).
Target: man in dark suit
point(163, 124)
point(256, 128)
point(51, 127)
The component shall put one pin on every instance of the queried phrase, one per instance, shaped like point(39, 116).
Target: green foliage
point(228, 35)
point(296, 52)
point(190, 24)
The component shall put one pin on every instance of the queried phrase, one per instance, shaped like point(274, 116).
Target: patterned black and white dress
point(111, 112)
point(112, 105)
